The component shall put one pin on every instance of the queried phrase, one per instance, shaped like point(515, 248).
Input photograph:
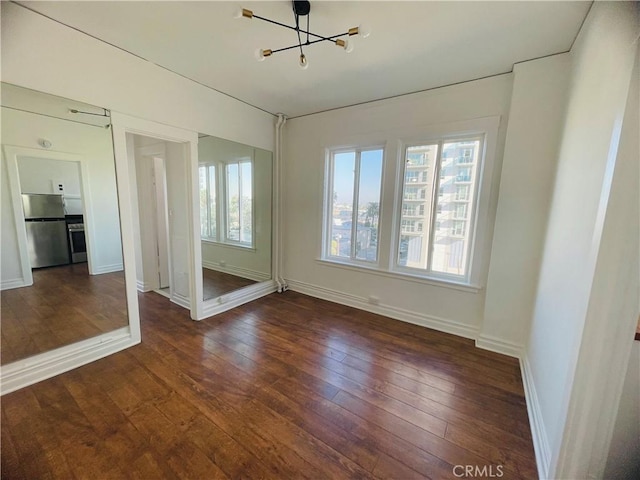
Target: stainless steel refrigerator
point(46, 230)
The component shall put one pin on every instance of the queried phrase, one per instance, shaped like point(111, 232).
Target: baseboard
point(181, 300)
point(416, 318)
point(237, 298)
point(511, 349)
point(15, 283)
point(34, 369)
point(116, 267)
point(254, 275)
point(143, 286)
point(538, 430)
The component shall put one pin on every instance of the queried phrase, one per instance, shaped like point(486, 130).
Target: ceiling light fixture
point(302, 9)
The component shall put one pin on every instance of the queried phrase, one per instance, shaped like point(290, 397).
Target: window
point(208, 204)
point(226, 202)
point(352, 219)
point(462, 192)
point(439, 208)
point(239, 202)
point(444, 249)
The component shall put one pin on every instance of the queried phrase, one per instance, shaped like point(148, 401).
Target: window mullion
point(354, 212)
point(240, 215)
point(208, 202)
point(434, 203)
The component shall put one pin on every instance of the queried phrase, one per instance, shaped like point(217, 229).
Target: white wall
point(387, 121)
point(584, 276)
point(93, 144)
point(253, 263)
point(535, 125)
point(42, 54)
point(624, 454)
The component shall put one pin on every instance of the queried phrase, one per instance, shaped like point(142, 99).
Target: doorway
point(161, 194)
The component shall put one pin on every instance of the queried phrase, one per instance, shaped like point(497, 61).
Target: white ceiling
point(413, 46)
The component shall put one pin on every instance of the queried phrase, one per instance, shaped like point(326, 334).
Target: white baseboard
point(494, 344)
point(15, 283)
point(254, 275)
point(181, 300)
point(116, 267)
point(143, 287)
point(34, 369)
point(538, 430)
point(416, 318)
point(237, 298)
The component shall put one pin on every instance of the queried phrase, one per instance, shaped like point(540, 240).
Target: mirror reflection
point(61, 266)
point(235, 182)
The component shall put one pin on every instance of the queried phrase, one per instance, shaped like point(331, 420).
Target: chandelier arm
point(296, 46)
point(331, 38)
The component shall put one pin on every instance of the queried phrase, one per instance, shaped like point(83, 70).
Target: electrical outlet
point(57, 186)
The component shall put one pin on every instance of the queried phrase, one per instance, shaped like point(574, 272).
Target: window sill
point(230, 245)
point(437, 282)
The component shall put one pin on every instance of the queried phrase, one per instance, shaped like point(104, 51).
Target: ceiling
point(413, 45)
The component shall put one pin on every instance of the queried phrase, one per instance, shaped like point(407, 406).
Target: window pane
point(212, 201)
point(451, 239)
point(233, 202)
point(204, 219)
point(369, 185)
point(342, 204)
point(246, 211)
point(416, 205)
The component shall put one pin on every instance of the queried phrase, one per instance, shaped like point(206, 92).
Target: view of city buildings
point(434, 241)
point(453, 203)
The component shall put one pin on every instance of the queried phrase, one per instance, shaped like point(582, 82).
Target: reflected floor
point(218, 283)
point(64, 305)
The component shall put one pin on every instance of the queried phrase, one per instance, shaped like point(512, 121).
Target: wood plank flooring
point(218, 283)
point(287, 386)
point(64, 305)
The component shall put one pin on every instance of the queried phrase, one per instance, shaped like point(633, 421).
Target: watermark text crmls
point(473, 471)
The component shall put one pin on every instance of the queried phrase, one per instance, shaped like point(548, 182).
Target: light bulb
point(304, 64)
point(364, 30)
point(237, 11)
point(259, 54)
point(349, 46)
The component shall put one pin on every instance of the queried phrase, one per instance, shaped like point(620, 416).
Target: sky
point(370, 176)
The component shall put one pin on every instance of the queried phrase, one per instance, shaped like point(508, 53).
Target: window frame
point(393, 167)
point(475, 188)
point(327, 223)
point(222, 208)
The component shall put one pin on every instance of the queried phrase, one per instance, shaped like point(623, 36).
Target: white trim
point(115, 267)
point(143, 286)
point(180, 300)
point(541, 446)
point(416, 318)
point(237, 298)
point(436, 282)
point(15, 283)
point(123, 124)
point(34, 369)
point(237, 271)
point(494, 344)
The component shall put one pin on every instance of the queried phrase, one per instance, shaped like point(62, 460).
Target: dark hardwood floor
point(285, 387)
point(64, 305)
point(218, 283)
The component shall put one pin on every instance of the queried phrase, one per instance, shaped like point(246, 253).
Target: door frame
point(125, 124)
point(12, 154)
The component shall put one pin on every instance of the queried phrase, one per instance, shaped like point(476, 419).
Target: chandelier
point(302, 9)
